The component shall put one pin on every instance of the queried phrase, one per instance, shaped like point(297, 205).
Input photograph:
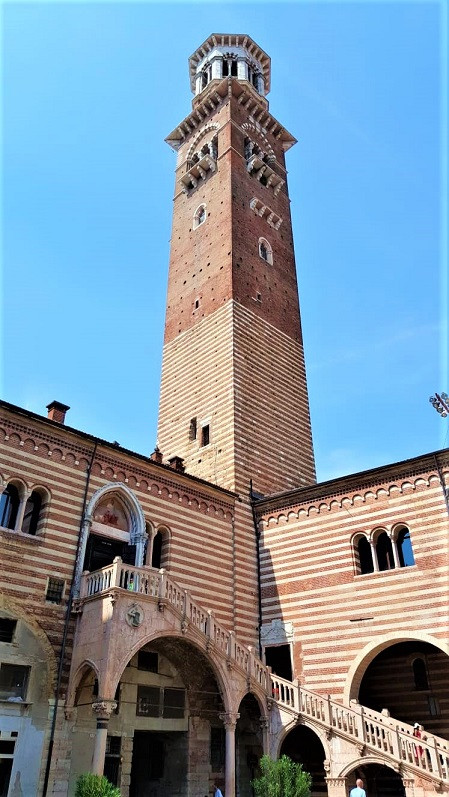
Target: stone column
point(394, 548)
point(230, 722)
point(374, 555)
point(263, 722)
point(103, 709)
point(21, 510)
point(140, 548)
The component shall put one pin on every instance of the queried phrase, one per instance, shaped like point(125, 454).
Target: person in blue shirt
point(358, 790)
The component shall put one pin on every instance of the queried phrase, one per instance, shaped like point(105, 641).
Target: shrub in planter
point(281, 778)
point(95, 786)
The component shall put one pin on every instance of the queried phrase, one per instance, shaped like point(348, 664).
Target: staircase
point(372, 732)
point(375, 732)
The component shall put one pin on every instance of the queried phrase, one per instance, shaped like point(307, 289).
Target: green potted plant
point(281, 778)
point(90, 785)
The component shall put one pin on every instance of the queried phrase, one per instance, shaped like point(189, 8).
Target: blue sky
point(89, 93)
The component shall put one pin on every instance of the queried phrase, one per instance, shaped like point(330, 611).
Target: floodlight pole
point(441, 403)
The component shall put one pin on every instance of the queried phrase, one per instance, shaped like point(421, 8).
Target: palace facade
point(168, 619)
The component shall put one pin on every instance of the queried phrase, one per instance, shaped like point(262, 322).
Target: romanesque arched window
point(33, 512)
point(159, 549)
point(364, 555)
point(199, 217)
point(404, 547)
point(9, 506)
point(384, 551)
point(265, 251)
point(420, 677)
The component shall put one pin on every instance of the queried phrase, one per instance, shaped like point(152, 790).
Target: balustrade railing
point(429, 754)
point(395, 740)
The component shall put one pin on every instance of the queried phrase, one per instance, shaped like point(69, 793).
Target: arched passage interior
point(249, 744)
point(378, 780)
point(160, 737)
point(411, 680)
point(304, 747)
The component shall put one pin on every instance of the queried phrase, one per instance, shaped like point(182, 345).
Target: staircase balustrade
point(375, 731)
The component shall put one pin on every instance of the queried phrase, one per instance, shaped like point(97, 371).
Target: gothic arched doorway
point(304, 747)
point(411, 680)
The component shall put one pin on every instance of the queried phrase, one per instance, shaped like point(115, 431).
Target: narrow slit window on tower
point(197, 304)
point(205, 435)
point(193, 429)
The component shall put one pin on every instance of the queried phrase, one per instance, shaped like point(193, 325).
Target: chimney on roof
point(156, 456)
point(177, 463)
point(57, 411)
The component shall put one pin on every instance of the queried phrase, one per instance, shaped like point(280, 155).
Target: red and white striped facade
point(234, 408)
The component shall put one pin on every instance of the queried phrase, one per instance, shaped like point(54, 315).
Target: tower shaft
point(234, 398)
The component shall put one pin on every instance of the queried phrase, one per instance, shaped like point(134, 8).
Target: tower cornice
point(256, 106)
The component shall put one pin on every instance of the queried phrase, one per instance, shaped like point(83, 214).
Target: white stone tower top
point(230, 55)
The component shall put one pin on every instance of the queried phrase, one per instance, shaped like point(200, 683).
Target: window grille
point(55, 590)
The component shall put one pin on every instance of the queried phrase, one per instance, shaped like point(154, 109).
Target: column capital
point(229, 720)
point(104, 708)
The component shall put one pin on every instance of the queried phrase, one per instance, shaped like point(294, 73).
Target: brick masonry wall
point(236, 362)
point(310, 576)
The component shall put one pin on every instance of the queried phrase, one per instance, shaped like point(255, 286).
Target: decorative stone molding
point(265, 212)
point(277, 632)
point(104, 708)
point(229, 720)
point(135, 615)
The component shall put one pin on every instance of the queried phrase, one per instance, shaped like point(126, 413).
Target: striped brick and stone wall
point(344, 619)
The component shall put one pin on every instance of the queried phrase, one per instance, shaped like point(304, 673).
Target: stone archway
point(388, 678)
point(304, 747)
point(249, 743)
point(370, 651)
point(379, 780)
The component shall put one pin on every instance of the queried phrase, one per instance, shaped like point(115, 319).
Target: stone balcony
point(154, 591)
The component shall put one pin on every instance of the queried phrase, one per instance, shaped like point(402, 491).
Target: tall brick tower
point(234, 398)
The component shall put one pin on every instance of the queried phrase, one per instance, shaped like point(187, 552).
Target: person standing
point(358, 790)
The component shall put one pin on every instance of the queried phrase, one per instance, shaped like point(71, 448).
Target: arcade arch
point(408, 677)
point(303, 745)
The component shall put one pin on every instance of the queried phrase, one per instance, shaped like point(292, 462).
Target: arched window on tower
point(199, 217)
point(9, 506)
point(365, 557)
point(420, 674)
point(384, 551)
point(265, 251)
point(404, 547)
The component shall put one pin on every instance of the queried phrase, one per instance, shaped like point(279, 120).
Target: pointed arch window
point(9, 506)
